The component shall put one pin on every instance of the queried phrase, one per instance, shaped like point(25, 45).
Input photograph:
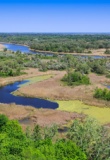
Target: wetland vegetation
point(102, 94)
point(76, 83)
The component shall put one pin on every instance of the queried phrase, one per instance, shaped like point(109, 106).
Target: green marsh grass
point(102, 114)
point(36, 79)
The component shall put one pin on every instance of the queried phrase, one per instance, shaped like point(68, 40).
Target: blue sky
point(54, 16)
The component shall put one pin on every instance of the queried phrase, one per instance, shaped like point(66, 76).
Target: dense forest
point(85, 139)
point(38, 144)
point(68, 43)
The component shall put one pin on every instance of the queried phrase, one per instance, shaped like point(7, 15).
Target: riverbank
point(94, 52)
point(48, 85)
point(14, 43)
point(72, 100)
point(2, 47)
point(54, 89)
point(29, 73)
point(30, 116)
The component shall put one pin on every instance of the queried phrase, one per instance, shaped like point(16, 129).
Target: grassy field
point(101, 114)
point(36, 79)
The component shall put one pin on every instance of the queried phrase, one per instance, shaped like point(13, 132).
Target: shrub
point(3, 121)
point(67, 150)
point(76, 78)
point(102, 94)
point(107, 51)
point(92, 138)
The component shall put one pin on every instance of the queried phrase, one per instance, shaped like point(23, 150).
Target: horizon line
point(57, 32)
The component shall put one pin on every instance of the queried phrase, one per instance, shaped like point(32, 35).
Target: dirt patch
point(54, 89)
point(95, 52)
point(29, 116)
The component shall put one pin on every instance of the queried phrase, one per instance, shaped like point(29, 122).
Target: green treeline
point(102, 94)
point(38, 144)
point(10, 64)
point(85, 139)
point(13, 63)
point(92, 138)
point(68, 43)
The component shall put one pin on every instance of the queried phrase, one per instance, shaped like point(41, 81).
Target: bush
point(92, 138)
point(107, 51)
point(102, 94)
point(67, 150)
point(76, 78)
point(83, 68)
point(3, 121)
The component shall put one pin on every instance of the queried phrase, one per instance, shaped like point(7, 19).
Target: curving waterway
point(5, 92)
point(7, 97)
point(26, 49)
point(16, 47)
point(23, 49)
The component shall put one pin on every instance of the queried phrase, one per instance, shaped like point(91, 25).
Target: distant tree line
point(68, 43)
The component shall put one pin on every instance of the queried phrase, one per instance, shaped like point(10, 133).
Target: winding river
point(25, 49)
point(5, 92)
point(7, 97)
point(16, 47)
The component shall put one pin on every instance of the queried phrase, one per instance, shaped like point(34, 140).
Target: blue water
point(25, 49)
point(16, 47)
point(7, 97)
point(108, 86)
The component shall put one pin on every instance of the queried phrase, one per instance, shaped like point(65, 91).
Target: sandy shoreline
point(2, 47)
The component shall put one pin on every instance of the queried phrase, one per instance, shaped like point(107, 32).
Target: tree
point(91, 137)
point(37, 133)
point(107, 51)
point(5, 49)
point(3, 121)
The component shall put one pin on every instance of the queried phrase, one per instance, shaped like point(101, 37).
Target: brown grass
point(54, 89)
point(31, 72)
point(43, 117)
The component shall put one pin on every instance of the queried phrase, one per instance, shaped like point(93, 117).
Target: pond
point(7, 97)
